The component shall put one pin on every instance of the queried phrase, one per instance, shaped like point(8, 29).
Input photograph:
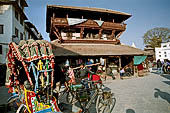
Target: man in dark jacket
point(82, 75)
point(83, 72)
point(159, 65)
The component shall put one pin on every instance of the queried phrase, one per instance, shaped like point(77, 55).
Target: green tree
point(156, 36)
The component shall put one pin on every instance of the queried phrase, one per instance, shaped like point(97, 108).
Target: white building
point(12, 18)
point(163, 52)
point(12, 24)
point(31, 32)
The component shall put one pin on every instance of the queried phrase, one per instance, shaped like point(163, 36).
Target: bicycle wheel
point(22, 109)
point(168, 69)
point(110, 105)
point(86, 111)
point(100, 104)
point(105, 105)
point(69, 97)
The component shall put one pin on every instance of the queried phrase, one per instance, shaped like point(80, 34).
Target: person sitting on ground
point(109, 72)
point(150, 66)
point(122, 71)
point(128, 70)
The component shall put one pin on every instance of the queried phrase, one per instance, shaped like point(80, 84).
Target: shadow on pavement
point(163, 95)
point(155, 72)
point(130, 111)
point(167, 82)
point(65, 107)
point(167, 76)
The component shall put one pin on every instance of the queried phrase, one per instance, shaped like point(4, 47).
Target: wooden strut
point(112, 36)
point(119, 34)
point(51, 27)
point(100, 34)
point(56, 32)
point(81, 33)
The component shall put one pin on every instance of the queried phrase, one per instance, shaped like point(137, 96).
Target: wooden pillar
point(81, 33)
point(105, 65)
point(57, 33)
point(135, 70)
point(119, 66)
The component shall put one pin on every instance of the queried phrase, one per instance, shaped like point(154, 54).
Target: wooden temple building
point(83, 32)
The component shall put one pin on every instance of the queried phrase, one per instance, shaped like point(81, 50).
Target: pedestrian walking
point(159, 65)
point(150, 64)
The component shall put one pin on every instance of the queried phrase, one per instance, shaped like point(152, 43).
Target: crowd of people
point(163, 66)
point(76, 75)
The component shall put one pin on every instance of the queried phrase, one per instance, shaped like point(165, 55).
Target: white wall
point(16, 24)
point(6, 20)
point(26, 34)
point(163, 52)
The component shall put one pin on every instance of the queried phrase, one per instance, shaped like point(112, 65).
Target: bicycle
point(104, 99)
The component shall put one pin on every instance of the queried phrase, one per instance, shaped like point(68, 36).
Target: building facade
point(12, 25)
point(80, 33)
point(31, 32)
point(163, 52)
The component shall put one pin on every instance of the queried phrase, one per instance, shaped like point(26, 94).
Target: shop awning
point(139, 59)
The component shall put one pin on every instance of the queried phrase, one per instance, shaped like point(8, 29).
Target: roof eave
point(90, 9)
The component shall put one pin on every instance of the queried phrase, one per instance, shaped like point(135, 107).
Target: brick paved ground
point(148, 94)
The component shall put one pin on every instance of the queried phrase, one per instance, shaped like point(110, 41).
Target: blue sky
point(146, 14)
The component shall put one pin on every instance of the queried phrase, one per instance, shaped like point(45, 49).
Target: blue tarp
point(139, 59)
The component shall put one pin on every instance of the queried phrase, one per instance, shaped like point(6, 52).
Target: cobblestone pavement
point(148, 94)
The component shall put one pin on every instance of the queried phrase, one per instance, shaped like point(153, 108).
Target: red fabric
point(140, 67)
point(96, 78)
point(88, 75)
